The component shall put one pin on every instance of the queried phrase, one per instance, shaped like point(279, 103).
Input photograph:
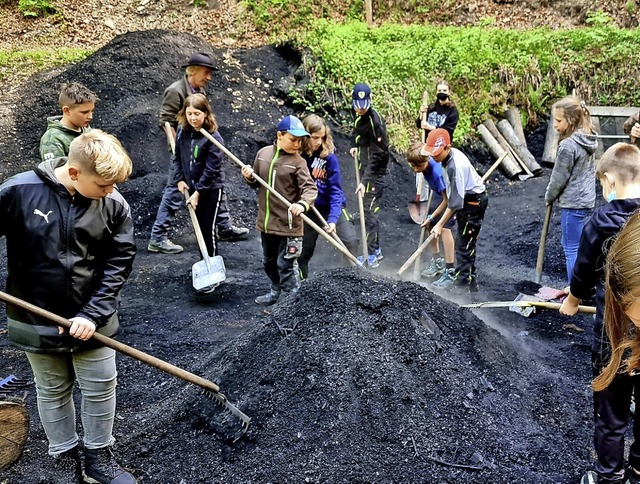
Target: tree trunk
point(510, 135)
point(513, 115)
point(510, 167)
point(368, 11)
point(550, 144)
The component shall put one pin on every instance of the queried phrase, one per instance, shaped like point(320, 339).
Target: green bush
point(21, 63)
point(35, 8)
point(488, 68)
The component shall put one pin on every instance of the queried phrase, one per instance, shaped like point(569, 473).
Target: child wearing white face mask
point(619, 174)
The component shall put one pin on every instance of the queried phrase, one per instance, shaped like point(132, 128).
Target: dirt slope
point(359, 391)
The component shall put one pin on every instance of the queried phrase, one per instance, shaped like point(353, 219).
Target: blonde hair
point(414, 157)
point(73, 94)
point(575, 111)
point(621, 160)
point(313, 123)
point(622, 289)
point(102, 154)
point(201, 103)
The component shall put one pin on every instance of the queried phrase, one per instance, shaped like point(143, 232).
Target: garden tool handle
point(196, 228)
point(543, 241)
point(415, 255)
point(169, 132)
point(286, 202)
point(114, 345)
point(326, 224)
point(363, 224)
point(423, 231)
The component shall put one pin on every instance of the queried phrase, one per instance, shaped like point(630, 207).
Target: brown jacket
point(289, 175)
point(628, 124)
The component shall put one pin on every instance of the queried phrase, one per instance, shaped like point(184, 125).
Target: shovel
point(524, 304)
point(418, 210)
point(543, 241)
point(325, 224)
point(287, 203)
point(211, 390)
point(210, 271)
point(363, 225)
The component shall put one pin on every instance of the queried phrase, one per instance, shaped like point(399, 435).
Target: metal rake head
point(222, 400)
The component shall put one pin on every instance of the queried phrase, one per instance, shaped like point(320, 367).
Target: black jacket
point(197, 161)
point(67, 254)
point(373, 145)
point(441, 116)
point(588, 271)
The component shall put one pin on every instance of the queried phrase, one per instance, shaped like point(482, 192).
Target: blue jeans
point(55, 375)
point(572, 222)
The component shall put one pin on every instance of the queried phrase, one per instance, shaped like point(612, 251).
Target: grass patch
point(16, 65)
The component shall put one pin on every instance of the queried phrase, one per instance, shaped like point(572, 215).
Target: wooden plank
point(550, 143)
point(612, 111)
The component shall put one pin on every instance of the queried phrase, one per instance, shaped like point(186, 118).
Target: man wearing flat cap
point(198, 72)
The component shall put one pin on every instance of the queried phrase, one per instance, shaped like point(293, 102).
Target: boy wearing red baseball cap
point(467, 198)
point(372, 151)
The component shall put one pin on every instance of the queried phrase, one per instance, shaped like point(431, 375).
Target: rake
point(211, 390)
point(525, 304)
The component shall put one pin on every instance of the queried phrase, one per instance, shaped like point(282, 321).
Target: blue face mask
point(611, 196)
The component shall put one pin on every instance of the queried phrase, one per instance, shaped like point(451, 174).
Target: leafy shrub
point(35, 8)
point(26, 62)
point(488, 68)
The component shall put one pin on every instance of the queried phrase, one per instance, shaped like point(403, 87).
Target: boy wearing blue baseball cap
point(281, 228)
point(372, 152)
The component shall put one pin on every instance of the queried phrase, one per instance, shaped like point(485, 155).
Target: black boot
point(101, 467)
point(67, 466)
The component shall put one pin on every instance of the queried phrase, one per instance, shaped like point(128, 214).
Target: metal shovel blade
point(206, 275)
point(418, 211)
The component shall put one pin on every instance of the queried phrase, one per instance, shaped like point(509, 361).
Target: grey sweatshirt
point(573, 179)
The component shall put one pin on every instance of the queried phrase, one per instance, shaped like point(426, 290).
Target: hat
point(200, 59)
point(361, 96)
point(437, 141)
point(292, 125)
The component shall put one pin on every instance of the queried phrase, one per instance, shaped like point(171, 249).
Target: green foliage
point(35, 8)
point(21, 63)
point(199, 3)
point(488, 68)
point(631, 7)
point(598, 18)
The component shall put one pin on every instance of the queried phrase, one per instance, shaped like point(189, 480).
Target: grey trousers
point(55, 375)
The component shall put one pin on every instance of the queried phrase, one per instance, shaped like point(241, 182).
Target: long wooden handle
point(556, 306)
point(169, 132)
point(326, 224)
point(494, 166)
point(423, 231)
point(363, 225)
point(115, 345)
point(413, 257)
point(543, 241)
point(196, 228)
point(287, 203)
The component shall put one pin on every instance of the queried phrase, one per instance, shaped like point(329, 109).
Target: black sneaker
point(100, 467)
point(232, 233)
point(67, 466)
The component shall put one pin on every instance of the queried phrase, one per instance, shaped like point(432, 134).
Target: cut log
point(550, 144)
point(509, 165)
point(513, 116)
point(595, 122)
point(505, 145)
point(510, 135)
point(14, 429)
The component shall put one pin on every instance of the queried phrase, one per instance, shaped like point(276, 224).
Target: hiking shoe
point(589, 478)
point(67, 466)
point(447, 279)
point(378, 254)
point(101, 467)
point(268, 299)
point(165, 247)
point(435, 268)
point(232, 233)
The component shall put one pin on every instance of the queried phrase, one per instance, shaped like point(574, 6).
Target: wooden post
point(550, 144)
point(510, 135)
point(513, 116)
point(368, 11)
point(509, 166)
point(490, 125)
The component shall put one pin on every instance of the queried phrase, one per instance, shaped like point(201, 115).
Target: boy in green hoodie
point(77, 103)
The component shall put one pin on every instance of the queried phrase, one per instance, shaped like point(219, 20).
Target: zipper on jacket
point(272, 184)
